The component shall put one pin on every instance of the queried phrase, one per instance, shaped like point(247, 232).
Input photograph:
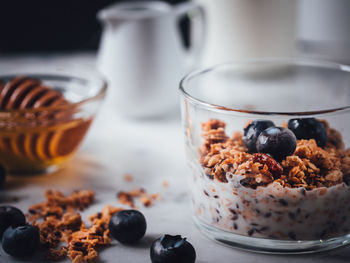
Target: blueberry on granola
point(276, 141)
point(172, 249)
point(21, 241)
point(253, 130)
point(127, 226)
point(309, 128)
point(10, 215)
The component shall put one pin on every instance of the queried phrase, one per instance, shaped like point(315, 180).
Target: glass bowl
point(291, 194)
point(40, 137)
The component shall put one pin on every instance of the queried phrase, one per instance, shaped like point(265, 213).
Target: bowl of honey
point(45, 113)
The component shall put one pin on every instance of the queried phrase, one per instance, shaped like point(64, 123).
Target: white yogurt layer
point(273, 211)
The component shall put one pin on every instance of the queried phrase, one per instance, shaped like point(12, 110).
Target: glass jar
point(293, 199)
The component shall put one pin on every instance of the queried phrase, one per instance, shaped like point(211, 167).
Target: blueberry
point(277, 141)
point(10, 215)
point(2, 175)
point(309, 128)
point(253, 130)
point(21, 241)
point(127, 226)
point(172, 249)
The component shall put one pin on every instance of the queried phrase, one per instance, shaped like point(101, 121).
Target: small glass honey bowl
point(45, 114)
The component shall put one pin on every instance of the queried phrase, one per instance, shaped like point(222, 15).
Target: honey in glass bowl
point(44, 118)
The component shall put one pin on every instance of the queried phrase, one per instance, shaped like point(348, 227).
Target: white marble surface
point(152, 151)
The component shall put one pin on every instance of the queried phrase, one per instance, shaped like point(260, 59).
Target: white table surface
point(152, 151)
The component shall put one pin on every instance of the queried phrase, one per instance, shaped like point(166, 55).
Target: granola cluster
point(310, 166)
point(83, 244)
point(59, 221)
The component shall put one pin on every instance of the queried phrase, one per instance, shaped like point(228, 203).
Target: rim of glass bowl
point(69, 70)
point(287, 61)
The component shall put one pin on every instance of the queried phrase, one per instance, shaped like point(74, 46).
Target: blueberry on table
point(10, 215)
point(172, 249)
point(253, 130)
point(277, 141)
point(21, 241)
point(309, 128)
point(2, 175)
point(127, 226)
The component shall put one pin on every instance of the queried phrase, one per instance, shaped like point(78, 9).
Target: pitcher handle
point(194, 11)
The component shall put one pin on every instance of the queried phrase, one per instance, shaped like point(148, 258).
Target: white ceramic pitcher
point(143, 57)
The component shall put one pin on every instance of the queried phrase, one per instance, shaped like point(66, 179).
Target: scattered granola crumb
point(137, 192)
point(57, 203)
point(128, 178)
point(83, 244)
point(128, 198)
point(145, 200)
point(165, 184)
point(155, 197)
point(57, 254)
point(61, 222)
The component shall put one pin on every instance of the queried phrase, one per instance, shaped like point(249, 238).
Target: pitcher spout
point(109, 17)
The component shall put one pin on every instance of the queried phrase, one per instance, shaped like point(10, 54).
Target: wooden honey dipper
point(43, 145)
point(26, 93)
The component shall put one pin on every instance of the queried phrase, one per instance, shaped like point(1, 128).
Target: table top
point(152, 151)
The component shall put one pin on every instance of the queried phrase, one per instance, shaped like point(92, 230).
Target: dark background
point(52, 25)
